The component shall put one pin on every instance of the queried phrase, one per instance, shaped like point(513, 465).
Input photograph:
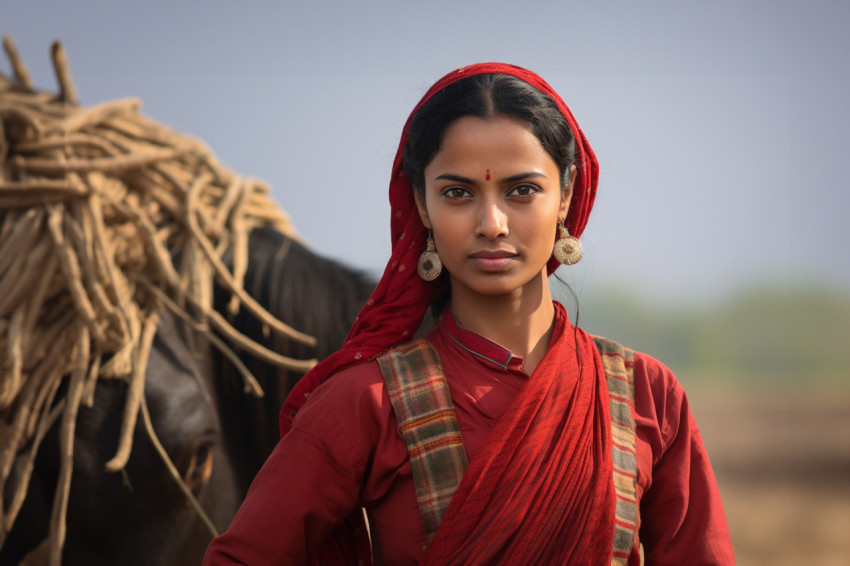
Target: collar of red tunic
point(484, 349)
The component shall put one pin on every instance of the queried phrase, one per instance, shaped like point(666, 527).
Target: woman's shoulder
point(350, 383)
point(358, 383)
point(648, 371)
point(351, 395)
point(658, 394)
point(654, 372)
point(661, 407)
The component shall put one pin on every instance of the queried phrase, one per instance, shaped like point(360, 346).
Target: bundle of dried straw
point(94, 205)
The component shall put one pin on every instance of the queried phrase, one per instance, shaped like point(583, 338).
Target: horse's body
point(216, 435)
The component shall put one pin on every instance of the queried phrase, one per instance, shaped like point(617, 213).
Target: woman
point(506, 436)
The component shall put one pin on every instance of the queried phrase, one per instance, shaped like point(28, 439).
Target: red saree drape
point(540, 489)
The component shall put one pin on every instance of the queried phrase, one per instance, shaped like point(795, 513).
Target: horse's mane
point(296, 284)
point(95, 202)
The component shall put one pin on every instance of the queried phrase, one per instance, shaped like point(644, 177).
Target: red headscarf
point(394, 312)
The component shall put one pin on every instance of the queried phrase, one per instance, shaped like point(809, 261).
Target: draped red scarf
point(391, 317)
point(394, 312)
point(540, 489)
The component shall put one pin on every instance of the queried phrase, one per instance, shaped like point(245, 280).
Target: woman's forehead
point(497, 142)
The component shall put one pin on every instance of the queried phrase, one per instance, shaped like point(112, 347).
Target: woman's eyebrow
point(452, 177)
point(520, 176)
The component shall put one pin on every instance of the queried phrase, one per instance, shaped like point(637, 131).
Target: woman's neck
point(520, 322)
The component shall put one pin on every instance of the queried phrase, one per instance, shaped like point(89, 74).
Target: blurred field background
point(767, 376)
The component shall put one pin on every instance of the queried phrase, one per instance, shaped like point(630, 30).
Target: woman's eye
point(523, 191)
point(456, 192)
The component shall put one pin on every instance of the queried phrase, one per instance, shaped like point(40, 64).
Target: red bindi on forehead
point(487, 176)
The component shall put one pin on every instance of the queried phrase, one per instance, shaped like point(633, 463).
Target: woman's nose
point(492, 221)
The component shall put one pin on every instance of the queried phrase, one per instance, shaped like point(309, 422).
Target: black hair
point(486, 96)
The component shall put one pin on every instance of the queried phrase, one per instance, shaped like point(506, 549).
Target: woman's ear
point(566, 195)
point(420, 206)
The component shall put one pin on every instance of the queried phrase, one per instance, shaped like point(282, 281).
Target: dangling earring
point(430, 266)
point(567, 248)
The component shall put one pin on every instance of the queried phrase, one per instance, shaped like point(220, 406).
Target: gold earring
point(430, 266)
point(567, 248)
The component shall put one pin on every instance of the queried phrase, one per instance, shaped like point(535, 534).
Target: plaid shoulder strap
point(426, 417)
point(619, 365)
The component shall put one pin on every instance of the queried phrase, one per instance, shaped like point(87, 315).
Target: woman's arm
point(309, 484)
point(301, 492)
point(682, 517)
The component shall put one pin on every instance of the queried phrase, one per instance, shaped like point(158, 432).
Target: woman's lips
point(493, 260)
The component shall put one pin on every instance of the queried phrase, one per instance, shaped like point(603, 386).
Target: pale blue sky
point(721, 127)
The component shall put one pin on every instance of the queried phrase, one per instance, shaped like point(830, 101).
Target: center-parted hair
point(487, 96)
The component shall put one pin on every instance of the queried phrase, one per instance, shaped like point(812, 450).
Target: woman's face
point(493, 198)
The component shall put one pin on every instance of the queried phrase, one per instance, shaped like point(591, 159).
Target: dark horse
point(216, 435)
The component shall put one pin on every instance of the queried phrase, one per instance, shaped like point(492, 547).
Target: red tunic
point(345, 451)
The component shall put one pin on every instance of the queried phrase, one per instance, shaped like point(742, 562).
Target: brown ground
point(783, 465)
